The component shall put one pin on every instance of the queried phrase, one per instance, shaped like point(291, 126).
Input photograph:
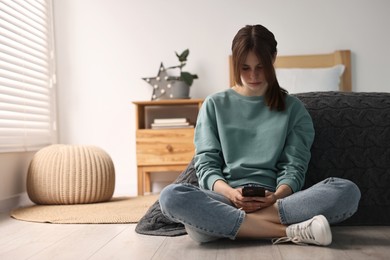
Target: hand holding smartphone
point(253, 191)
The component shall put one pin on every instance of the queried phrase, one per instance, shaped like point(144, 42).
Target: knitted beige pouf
point(70, 174)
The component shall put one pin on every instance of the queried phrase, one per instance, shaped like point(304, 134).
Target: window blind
point(27, 75)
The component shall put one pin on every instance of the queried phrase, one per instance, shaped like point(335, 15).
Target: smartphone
point(253, 191)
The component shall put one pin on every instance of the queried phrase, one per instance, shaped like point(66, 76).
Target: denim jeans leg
point(206, 215)
point(337, 199)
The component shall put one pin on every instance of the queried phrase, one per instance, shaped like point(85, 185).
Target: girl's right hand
point(248, 204)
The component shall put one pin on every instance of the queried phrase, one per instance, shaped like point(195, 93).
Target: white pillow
point(298, 80)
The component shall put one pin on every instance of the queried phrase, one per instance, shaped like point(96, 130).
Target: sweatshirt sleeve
point(208, 152)
point(295, 157)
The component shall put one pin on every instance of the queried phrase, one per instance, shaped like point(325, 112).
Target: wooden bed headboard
point(314, 61)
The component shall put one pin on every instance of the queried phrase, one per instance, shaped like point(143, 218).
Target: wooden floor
point(26, 240)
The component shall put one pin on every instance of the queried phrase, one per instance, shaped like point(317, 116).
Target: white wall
point(105, 47)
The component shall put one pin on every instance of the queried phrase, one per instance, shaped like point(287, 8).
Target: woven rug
point(116, 211)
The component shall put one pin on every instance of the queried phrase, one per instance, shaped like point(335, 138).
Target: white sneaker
point(313, 231)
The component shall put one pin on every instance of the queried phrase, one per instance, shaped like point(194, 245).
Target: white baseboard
point(18, 200)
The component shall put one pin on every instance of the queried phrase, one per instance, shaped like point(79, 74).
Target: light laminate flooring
point(27, 240)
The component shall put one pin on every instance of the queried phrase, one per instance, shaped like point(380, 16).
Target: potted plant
point(185, 76)
point(166, 86)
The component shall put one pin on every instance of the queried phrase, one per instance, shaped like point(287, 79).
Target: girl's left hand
point(269, 199)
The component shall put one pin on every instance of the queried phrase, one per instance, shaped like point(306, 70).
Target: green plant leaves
point(188, 78)
point(183, 56)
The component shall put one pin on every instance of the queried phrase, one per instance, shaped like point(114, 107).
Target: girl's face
point(252, 76)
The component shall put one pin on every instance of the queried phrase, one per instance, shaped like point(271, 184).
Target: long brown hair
point(262, 42)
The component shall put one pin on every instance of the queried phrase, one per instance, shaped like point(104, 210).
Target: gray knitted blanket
point(155, 223)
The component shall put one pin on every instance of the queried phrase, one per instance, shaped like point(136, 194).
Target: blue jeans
point(208, 215)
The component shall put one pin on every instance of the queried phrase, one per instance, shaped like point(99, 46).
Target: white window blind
point(27, 110)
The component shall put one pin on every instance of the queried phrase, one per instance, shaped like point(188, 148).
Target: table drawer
point(161, 146)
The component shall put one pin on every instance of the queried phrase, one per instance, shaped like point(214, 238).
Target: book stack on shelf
point(165, 123)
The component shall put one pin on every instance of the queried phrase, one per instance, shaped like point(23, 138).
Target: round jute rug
point(116, 211)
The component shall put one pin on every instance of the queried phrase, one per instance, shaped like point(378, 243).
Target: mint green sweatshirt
point(239, 140)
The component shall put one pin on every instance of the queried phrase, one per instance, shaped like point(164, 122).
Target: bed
point(316, 72)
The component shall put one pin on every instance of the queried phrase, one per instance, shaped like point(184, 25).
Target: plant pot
point(178, 90)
